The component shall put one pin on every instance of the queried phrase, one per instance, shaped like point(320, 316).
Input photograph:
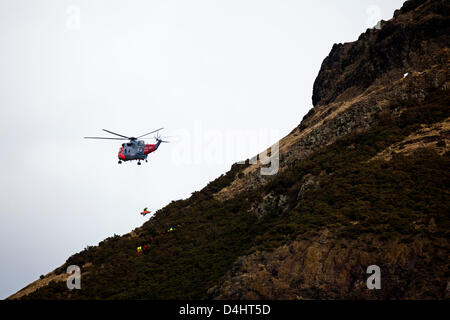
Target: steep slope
point(360, 79)
point(363, 180)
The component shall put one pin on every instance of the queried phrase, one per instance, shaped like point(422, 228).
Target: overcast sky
point(227, 78)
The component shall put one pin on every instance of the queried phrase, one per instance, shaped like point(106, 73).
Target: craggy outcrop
point(324, 267)
point(383, 71)
point(412, 40)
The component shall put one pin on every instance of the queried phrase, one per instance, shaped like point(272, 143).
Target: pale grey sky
point(203, 70)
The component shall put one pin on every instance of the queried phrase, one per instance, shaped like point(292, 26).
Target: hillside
point(363, 180)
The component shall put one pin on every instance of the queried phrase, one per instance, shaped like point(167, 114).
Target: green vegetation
point(353, 195)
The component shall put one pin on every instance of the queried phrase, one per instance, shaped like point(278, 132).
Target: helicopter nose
point(121, 156)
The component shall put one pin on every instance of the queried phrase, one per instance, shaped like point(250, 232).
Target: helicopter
point(134, 149)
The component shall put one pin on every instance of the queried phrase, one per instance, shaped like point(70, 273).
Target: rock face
point(407, 42)
point(384, 71)
point(324, 267)
point(271, 203)
point(360, 80)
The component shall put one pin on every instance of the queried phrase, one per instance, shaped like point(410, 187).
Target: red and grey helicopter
point(134, 149)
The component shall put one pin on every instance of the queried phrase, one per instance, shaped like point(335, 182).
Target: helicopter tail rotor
point(160, 138)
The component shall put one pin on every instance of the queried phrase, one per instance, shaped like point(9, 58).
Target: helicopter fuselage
point(136, 150)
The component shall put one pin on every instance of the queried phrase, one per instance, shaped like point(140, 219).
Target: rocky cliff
point(385, 73)
point(384, 69)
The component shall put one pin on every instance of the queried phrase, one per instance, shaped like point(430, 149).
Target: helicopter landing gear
point(146, 160)
point(120, 162)
point(139, 163)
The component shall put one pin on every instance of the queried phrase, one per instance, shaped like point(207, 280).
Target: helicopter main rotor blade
point(128, 138)
point(105, 138)
point(149, 133)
